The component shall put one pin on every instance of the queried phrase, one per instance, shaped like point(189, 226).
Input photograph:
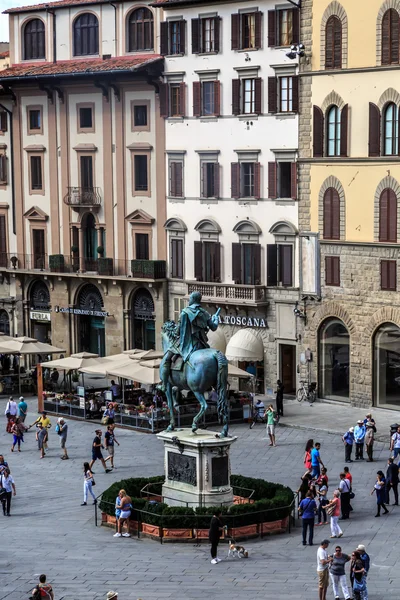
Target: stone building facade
point(349, 174)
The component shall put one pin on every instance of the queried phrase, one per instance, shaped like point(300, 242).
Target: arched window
point(333, 131)
point(34, 40)
point(334, 360)
point(86, 35)
point(140, 30)
point(388, 216)
point(390, 37)
point(331, 215)
point(143, 320)
point(4, 322)
point(386, 361)
point(391, 129)
point(333, 43)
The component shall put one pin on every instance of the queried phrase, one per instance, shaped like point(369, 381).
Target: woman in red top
point(307, 454)
point(335, 505)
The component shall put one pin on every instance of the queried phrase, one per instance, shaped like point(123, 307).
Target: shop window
point(246, 263)
point(34, 40)
point(246, 96)
point(205, 35)
point(140, 30)
point(389, 275)
point(387, 366)
point(334, 360)
point(246, 31)
point(245, 180)
point(283, 27)
point(333, 43)
point(206, 98)
point(280, 265)
point(390, 37)
point(143, 320)
point(173, 37)
point(332, 270)
point(176, 249)
point(86, 35)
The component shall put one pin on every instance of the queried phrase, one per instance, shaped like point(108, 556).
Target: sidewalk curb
point(329, 431)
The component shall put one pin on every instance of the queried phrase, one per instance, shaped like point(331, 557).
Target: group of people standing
point(362, 434)
point(332, 566)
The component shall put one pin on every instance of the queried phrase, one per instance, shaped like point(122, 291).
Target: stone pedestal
point(197, 468)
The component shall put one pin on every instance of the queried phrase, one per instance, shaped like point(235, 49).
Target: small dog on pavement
point(237, 551)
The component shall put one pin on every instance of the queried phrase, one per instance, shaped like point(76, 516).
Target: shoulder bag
point(330, 510)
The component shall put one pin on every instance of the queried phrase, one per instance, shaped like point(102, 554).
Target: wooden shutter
point(257, 95)
point(217, 262)
point(3, 168)
point(296, 27)
point(388, 216)
point(38, 245)
point(237, 262)
point(272, 265)
point(3, 241)
point(217, 98)
point(196, 98)
point(329, 31)
point(176, 183)
point(374, 138)
point(293, 180)
point(164, 97)
point(384, 275)
point(198, 261)
point(216, 179)
point(257, 263)
point(258, 29)
point(182, 37)
point(318, 132)
point(271, 28)
point(332, 270)
point(195, 36)
point(328, 270)
point(385, 60)
point(217, 25)
point(286, 264)
point(392, 275)
point(182, 99)
point(295, 94)
point(177, 258)
point(272, 94)
point(235, 31)
point(257, 180)
point(164, 46)
point(333, 43)
point(344, 117)
point(390, 37)
point(236, 96)
point(272, 180)
point(389, 275)
point(3, 121)
point(331, 215)
point(235, 180)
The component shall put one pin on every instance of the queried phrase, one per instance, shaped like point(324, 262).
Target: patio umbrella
point(144, 354)
point(146, 371)
point(105, 363)
point(73, 362)
point(236, 372)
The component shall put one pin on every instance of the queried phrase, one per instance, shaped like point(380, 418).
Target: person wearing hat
point(359, 437)
point(111, 595)
point(369, 440)
point(348, 440)
point(323, 562)
point(368, 417)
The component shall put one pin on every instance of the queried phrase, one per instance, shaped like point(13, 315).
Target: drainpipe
point(115, 26)
point(51, 12)
point(9, 112)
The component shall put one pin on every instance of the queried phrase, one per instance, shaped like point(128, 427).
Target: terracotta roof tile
point(96, 65)
point(57, 4)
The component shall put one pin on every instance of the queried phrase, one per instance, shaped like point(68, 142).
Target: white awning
point(245, 345)
point(217, 340)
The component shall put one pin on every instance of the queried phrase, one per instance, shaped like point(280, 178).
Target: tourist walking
point(62, 430)
point(8, 485)
point(11, 409)
point(126, 508)
point(323, 562)
point(3, 464)
point(392, 481)
point(88, 483)
point(345, 488)
point(97, 447)
point(380, 491)
point(22, 409)
point(348, 440)
point(316, 462)
point(369, 440)
point(360, 580)
point(307, 510)
point(359, 437)
point(307, 454)
point(395, 443)
point(110, 440)
point(45, 590)
point(214, 535)
point(41, 436)
point(17, 431)
point(271, 420)
point(349, 477)
point(337, 573)
point(43, 419)
point(280, 388)
point(333, 510)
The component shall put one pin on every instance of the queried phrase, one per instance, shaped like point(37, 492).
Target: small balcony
point(221, 293)
point(149, 269)
point(83, 197)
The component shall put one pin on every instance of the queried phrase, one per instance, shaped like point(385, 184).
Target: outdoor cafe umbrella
point(236, 372)
point(73, 362)
point(143, 371)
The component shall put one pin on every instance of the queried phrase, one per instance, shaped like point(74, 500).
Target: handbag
point(330, 510)
point(93, 482)
point(352, 495)
point(3, 494)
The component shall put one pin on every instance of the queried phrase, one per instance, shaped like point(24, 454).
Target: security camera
point(291, 55)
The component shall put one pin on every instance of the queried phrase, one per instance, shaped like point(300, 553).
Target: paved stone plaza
point(50, 532)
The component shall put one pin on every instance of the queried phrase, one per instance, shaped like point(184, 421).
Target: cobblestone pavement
point(50, 532)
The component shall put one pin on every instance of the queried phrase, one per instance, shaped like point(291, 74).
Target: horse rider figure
point(194, 323)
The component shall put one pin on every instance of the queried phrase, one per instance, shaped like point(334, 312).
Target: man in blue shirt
point(316, 462)
point(359, 437)
point(348, 440)
point(22, 409)
point(307, 510)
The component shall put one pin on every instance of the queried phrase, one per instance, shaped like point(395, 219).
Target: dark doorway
point(90, 243)
point(91, 325)
point(143, 321)
point(288, 367)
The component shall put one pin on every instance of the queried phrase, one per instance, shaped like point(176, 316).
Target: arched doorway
point(39, 311)
point(89, 242)
point(91, 321)
point(387, 365)
point(4, 322)
point(334, 360)
point(143, 320)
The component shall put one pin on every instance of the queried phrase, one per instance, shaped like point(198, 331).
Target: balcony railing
point(83, 196)
point(59, 263)
point(229, 293)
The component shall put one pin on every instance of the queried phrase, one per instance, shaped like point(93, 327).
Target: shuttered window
point(391, 130)
point(246, 263)
point(389, 275)
point(331, 215)
point(246, 96)
point(390, 37)
point(3, 169)
point(172, 100)
point(245, 180)
point(285, 265)
point(176, 179)
point(172, 34)
point(38, 248)
point(86, 35)
point(333, 43)
point(332, 270)
point(3, 121)
point(34, 40)
point(142, 246)
point(207, 261)
point(3, 241)
point(36, 173)
point(333, 131)
point(388, 216)
point(209, 180)
point(206, 98)
point(205, 35)
point(318, 132)
point(374, 137)
point(86, 167)
point(246, 29)
point(177, 258)
point(140, 30)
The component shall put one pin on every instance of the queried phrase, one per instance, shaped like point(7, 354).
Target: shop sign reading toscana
point(242, 321)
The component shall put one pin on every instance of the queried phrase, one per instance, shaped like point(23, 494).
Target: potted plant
point(74, 249)
point(100, 250)
point(14, 261)
point(56, 263)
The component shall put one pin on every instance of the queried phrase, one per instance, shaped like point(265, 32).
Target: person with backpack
point(43, 590)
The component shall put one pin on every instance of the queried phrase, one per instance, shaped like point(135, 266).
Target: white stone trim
point(384, 8)
point(336, 9)
point(393, 184)
point(332, 182)
point(389, 95)
point(333, 98)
